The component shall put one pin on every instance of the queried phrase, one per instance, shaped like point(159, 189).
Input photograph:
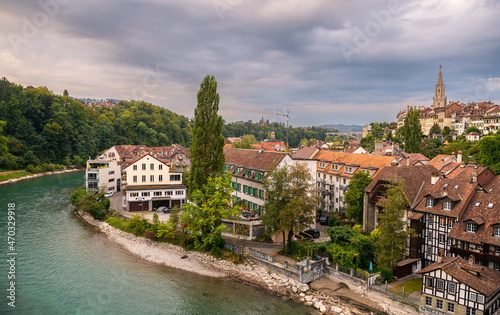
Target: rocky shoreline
point(207, 265)
point(14, 180)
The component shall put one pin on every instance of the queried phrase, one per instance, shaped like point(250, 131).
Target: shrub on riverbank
point(93, 203)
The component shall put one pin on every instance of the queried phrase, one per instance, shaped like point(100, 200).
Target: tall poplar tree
point(392, 227)
point(208, 143)
point(412, 131)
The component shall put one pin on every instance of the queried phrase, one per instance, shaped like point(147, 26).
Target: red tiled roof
point(483, 279)
point(350, 159)
point(265, 160)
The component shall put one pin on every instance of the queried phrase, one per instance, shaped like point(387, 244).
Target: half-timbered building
point(453, 285)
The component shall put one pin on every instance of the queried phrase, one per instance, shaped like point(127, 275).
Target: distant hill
point(342, 127)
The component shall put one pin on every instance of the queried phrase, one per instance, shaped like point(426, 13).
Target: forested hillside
point(38, 126)
point(261, 132)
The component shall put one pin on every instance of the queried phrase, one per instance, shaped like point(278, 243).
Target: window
point(441, 238)
point(442, 221)
point(179, 192)
point(451, 307)
point(134, 167)
point(168, 193)
point(470, 311)
point(111, 172)
point(477, 203)
point(431, 219)
point(473, 296)
point(160, 167)
point(428, 282)
point(439, 304)
point(344, 181)
point(134, 179)
point(440, 285)
point(244, 189)
point(152, 166)
point(480, 298)
point(452, 287)
point(496, 231)
point(450, 223)
point(133, 194)
point(429, 250)
point(428, 301)
point(143, 166)
point(111, 180)
point(447, 205)
point(471, 227)
point(145, 194)
point(157, 193)
point(143, 178)
point(175, 178)
point(430, 203)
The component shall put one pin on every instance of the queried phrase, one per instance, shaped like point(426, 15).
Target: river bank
point(14, 180)
point(207, 265)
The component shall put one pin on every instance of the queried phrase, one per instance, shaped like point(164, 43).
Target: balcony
point(478, 255)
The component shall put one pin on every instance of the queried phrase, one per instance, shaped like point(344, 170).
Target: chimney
point(434, 178)
point(459, 157)
point(440, 256)
point(474, 177)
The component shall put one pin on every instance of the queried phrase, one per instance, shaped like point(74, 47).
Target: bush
point(331, 221)
point(31, 169)
point(337, 223)
point(386, 273)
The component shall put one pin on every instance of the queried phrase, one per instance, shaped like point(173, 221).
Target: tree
point(489, 152)
point(65, 93)
point(471, 129)
point(354, 196)
point(208, 143)
point(245, 142)
point(412, 131)
point(392, 234)
point(435, 129)
point(291, 201)
point(209, 205)
point(446, 131)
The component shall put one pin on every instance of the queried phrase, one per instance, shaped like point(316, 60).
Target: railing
point(397, 294)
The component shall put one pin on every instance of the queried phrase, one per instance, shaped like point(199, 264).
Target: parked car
point(164, 209)
point(313, 232)
point(247, 214)
point(304, 237)
point(108, 194)
point(323, 220)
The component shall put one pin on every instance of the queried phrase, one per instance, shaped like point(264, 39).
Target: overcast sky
point(324, 61)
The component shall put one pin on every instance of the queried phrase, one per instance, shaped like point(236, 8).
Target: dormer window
point(496, 231)
point(447, 205)
point(430, 203)
point(471, 227)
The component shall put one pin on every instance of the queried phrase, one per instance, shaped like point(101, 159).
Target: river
point(63, 266)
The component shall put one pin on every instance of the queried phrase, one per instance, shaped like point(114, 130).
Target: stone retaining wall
point(14, 180)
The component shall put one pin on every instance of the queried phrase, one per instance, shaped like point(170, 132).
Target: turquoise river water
point(62, 266)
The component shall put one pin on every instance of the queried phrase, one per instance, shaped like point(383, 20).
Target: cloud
point(265, 55)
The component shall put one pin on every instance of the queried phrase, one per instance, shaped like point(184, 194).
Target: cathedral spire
point(439, 98)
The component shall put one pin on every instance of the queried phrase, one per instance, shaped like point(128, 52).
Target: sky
point(321, 61)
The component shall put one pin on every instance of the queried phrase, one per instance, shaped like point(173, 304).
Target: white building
point(103, 174)
point(151, 183)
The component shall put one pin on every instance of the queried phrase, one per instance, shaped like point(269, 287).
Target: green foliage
point(489, 152)
point(431, 148)
point(386, 273)
point(261, 132)
point(392, 235)
point(95, 204)
point(331, 221)
point(208, 143)
point(209, 205)
point(472, 129)
point(354, 196)
point(350, 247)
point(435, 129)
point(290, 201)
point(412, 131)
point(37, 126)
point(137, 224)
point(245, 142)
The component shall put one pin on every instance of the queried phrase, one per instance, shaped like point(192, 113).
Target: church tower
point(439, 99)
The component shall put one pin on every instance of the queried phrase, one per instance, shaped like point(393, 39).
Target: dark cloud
point(268, 56)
